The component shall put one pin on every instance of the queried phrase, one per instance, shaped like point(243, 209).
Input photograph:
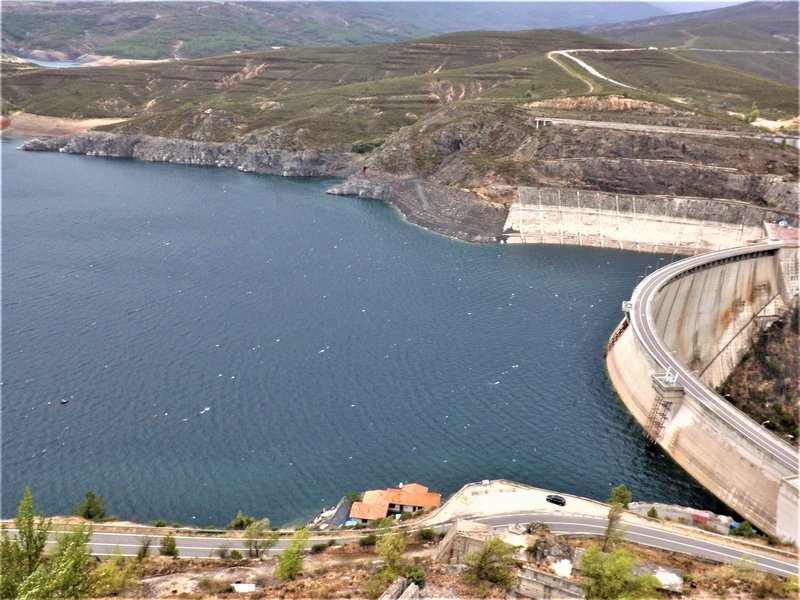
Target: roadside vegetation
point(30, 571)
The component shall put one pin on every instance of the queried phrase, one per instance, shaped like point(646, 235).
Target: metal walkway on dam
point(687, 325)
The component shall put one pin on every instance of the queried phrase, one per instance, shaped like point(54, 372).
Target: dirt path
point(24, 126)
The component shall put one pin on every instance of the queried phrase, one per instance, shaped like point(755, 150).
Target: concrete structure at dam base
point(686, 328)
point(661, 224)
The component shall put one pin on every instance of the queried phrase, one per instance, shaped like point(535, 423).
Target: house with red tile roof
point(378, 504)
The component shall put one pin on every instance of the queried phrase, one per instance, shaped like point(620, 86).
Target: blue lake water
point(229, 341)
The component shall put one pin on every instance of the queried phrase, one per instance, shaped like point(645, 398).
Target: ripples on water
point(230, 341)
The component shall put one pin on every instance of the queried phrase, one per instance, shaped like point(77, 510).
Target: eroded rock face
point(453, 212)
point(253, 158)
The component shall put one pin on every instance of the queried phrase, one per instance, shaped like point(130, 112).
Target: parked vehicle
point(559, 500)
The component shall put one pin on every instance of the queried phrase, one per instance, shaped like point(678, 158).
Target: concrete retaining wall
point(663, 224)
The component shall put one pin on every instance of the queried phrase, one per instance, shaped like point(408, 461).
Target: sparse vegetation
point(240, 522)
point(168, 546)
point(493, 563)
point(652, 512)
point(611, 576)
point(290, 560)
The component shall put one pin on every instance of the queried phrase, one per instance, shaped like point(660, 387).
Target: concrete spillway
point(686, 327)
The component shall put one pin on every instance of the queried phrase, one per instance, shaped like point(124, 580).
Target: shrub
point(223, 551)
point(114, 577)
point(144, 548)
point(493, 562)
point(417, 576)
point(317, 548)
point(158, 523)
point(368, 540)
point(426, 534)
point(236, 555)
point(91, 507)
point(240, 521)
point(744, 529)
point(169, 547)
point(652, 512)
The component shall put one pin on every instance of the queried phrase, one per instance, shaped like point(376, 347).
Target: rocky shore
point(450, 211)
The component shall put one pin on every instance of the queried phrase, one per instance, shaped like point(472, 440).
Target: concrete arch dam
point(686, 327)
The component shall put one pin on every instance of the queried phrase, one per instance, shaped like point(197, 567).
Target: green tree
point(352, 497)
point(620, 496)
point(32, 535)
point(169, 546)
point(492, 562)
point(258, 538)
point(12, 565)
point(753, 114)
point(91, 507)
point(611, 576)
point(615, 532)
point(290, 561)
point(67, 574)
point(21, 555)
point(652, 512)
point(240, 521)
point(390, 548)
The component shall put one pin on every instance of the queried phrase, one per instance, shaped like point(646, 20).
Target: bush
point(222, 551)
point(368, 540)
point(493, 562)
point(417, 576)
point(113, 577)
point(744, 529)
point(361, 146)
point(158, 523)
point(426, 534)
point(317, 548)
point(92, 507)
point(652, 512)
point(236, 555)
point(240, 521)
point(144, 548)
point(169, 547)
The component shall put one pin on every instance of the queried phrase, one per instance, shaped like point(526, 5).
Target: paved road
point(655, 537)
point(641, 319)
point(559, 521)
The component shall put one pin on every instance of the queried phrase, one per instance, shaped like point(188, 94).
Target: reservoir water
point(226, 341)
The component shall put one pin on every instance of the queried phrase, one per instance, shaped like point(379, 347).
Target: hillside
point(756, 37)
point(157, 30)
point(456, 110)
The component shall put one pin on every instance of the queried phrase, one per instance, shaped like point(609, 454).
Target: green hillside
point(758, 37)
point(319, 97)
point(152, 30)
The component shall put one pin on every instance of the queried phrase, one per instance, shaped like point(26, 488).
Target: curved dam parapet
point(686, 327)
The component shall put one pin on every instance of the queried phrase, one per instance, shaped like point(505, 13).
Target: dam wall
point(661, 224)
point(710, 317)
point(706, 317)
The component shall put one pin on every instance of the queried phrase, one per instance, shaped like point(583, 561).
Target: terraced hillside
point(757, 37)
point(458, 111)
point(337, 95)
point(157, 30)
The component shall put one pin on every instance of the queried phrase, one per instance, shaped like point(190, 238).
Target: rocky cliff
point(253, 158)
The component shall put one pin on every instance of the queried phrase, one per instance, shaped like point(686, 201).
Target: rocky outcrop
point(457, 213)
point(450, 211)
point(253, 158)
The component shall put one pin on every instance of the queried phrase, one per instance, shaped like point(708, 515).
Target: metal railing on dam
point(690, 324)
